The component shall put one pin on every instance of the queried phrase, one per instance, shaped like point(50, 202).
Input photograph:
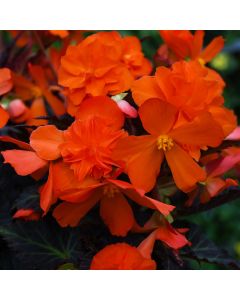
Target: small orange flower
point(184, 45)
point(37, 91)
point(143, 155)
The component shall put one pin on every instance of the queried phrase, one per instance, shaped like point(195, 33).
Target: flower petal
point(171, 236)
point(143, 200)
point(45, 140)
point(197, 43)
point(69, 214)
point(145, 88)
point(23, 162)
point(47, 198)
point(20, 144)
point(4, 116)
point(144, 168)
point(157, 117)
point(103, 107)
point(212, 49)
point(37, 109)
point(203, 131)
point(117, 214)
point(186, 172)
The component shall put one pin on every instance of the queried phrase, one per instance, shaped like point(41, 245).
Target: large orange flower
point(103, 63)
point(187, 85)
point(94, 67)
point(184, 44)
point(86, 146)
point(88, 143)
point(144, 154)
point(191, 88)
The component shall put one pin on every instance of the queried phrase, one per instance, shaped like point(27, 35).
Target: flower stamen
point(164, 142)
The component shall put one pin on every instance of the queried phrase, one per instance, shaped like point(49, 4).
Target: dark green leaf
point(203, 249)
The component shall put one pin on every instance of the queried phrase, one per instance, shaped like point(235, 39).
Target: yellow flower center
point(110, 190)
point(164, 142)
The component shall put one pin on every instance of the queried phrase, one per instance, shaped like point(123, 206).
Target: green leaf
point(42, 244)
point(203, 249)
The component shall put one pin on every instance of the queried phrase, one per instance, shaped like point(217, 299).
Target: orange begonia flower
point(184, 45)
point(121, 256)
point(94, 67)
point(144, 154)
point(88, 146)
point(187, 85)
point(88, 143)
point(191, 88)
point(37, 91)
point(103, 63)
point(111, 193)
